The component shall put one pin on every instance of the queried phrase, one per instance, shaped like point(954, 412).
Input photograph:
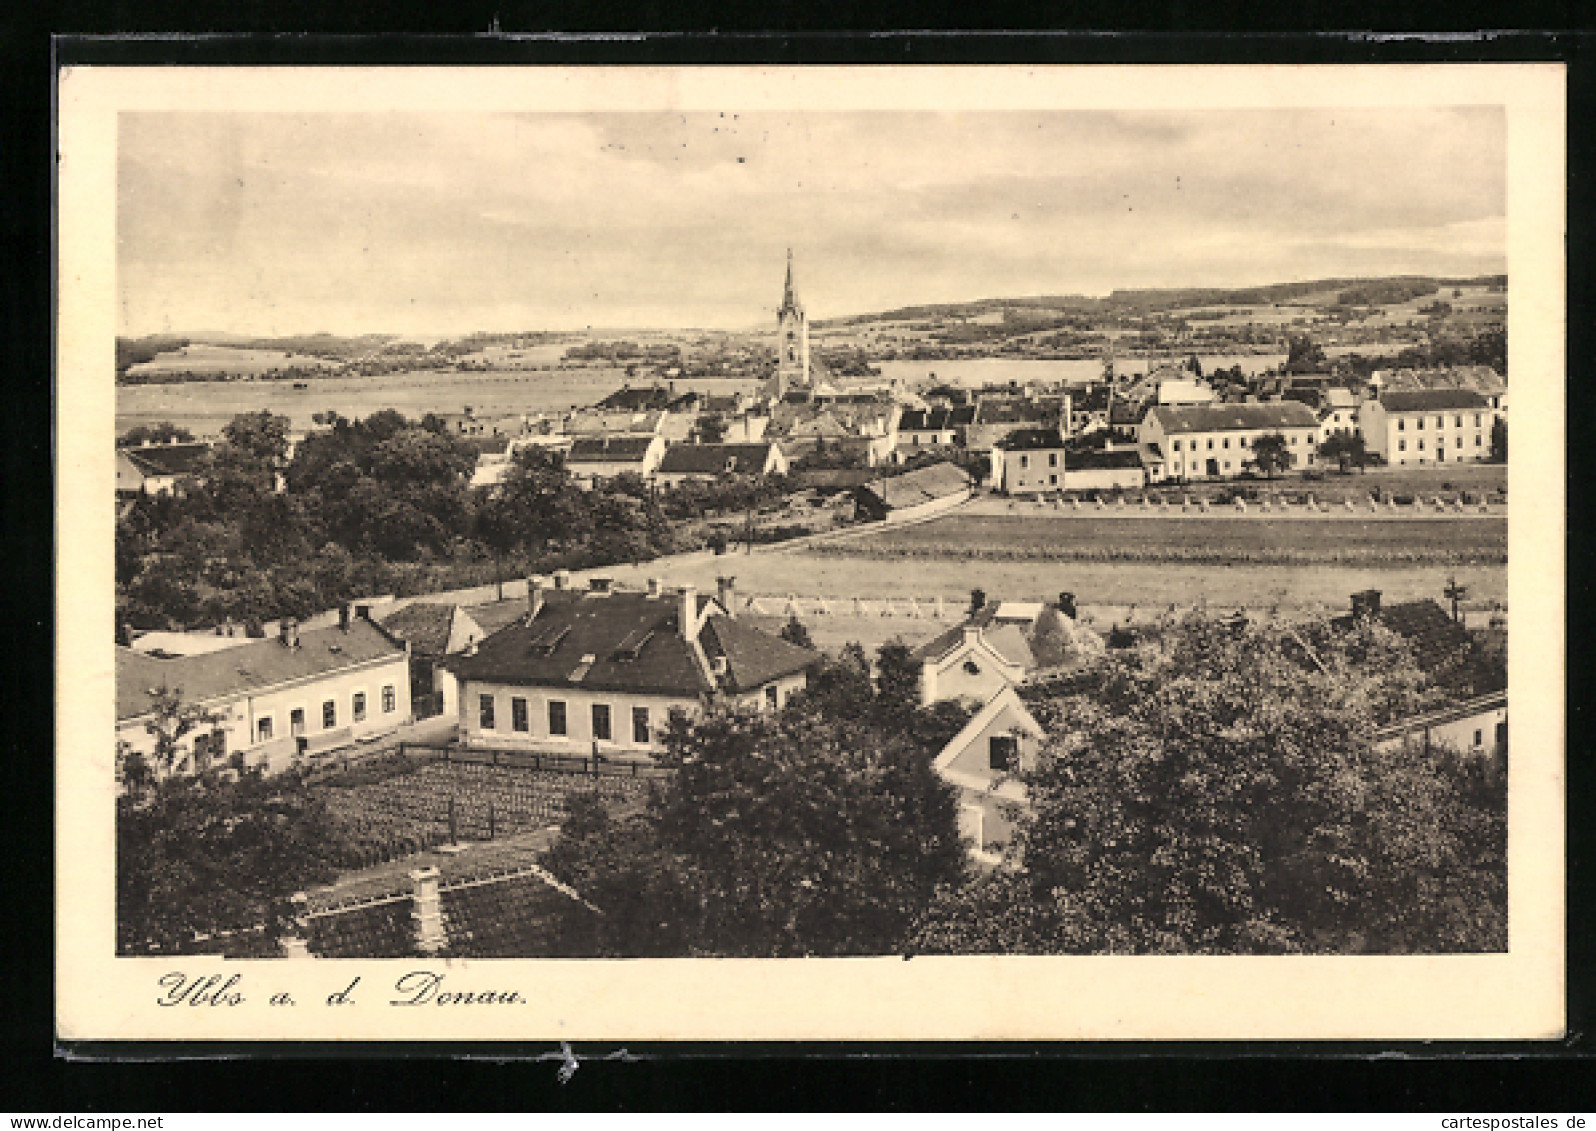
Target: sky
point(440, 224)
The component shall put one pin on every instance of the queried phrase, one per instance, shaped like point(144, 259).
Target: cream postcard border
point(1515, 995)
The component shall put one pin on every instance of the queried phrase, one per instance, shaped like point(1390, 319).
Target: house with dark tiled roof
point(604, 457)
point(601, 669)
point(157, 469)
point(1428, 427)
point(433, 630)
point(935, 428)
point(708, 462)
point(1217, 441)
point(298, 696)
point(914, 494)
point(997, 416)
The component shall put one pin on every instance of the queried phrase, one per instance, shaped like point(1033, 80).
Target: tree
point(794, 632)
point(800, 834)
point(1271, 453)
point(161, 432)
point(202, 856)
point(711, 428)
point(897, 677)
point(1219, 792)
point(1347, 449)
point(1499, 440)
point(1304, 355)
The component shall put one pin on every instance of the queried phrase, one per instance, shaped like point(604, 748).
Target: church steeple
point(792, 339)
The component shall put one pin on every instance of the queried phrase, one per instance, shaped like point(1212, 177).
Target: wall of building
point(949, 678)
point(1230, 451)
point(1398, 436)
point(758, 700)
point(1473, 733)
point(990, 803)
point(274, 749)
point(1105, 478)
point(578, 738)
point(1019, 473)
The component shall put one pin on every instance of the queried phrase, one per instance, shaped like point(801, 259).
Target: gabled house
point(1428, 426)
point(914, 494)
point(276, 700)
point(605, 457)
point(708, 462)
point(983, 763)
point(433, 631)
point(996, 417)
point(1029, 461)
point(975, 660)
point(1217, 441)
point(157, 469)
point(600, 670)
point(936, 428)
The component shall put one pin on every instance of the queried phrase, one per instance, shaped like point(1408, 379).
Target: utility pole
point(1456, 592)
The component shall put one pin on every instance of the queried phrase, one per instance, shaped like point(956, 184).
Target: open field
point(205, 407)
point(1201, 539)
point(1109, 583)
point(201, 358)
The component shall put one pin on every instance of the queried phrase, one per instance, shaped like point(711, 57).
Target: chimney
point(1366, 603)
point(293, 942)
point(363, 612)
point(534, 597)
point(428, 911)
point(288, 632)
point(687, 613)
point(562, 579)
point(972, 633)
point(728, 594)
point(1066, 604)
point(653, 588)
point(722, 666)
point(343, 618)
point(125, 636)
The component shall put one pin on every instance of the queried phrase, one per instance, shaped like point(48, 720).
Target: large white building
point(599, 670)
point(274, 701)
point(1428, 426)
point(1218, 441)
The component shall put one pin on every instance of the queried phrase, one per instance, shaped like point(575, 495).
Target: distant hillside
point(1346, 291)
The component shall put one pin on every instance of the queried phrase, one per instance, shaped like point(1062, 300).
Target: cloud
point(445, 223)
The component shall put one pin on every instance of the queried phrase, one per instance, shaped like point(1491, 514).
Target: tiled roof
point(746, 459)
point(381, 930)
point(1019, 410)
point(515, 917)
point(425, 625)
point(248, 667)
point(753, 657)
point(167, 459)
point(1031, 440)
point(550, 650)
point(1481, 378)
point(1428, 400)
point(1437, 638)
point(1097, 459)
point(1124, 412)
point(937, 419)
point(936, 481)
point(637, 399)
point(1233, 417)
point(609, 449)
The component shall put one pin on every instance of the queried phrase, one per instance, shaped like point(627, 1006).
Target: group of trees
point(1218, 792)
point(821, 830)
point(364, 506)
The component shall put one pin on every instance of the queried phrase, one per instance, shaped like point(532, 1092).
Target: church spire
point(789, 298)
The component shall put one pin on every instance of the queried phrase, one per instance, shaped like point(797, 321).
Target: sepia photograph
point(762, 525)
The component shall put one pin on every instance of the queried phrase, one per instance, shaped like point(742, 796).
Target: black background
point(38, 1076)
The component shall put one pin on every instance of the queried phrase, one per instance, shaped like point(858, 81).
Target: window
point(1226, 442)
point(641, 732)
point(518, 719)
point(1177, 445)
point(1459, 443)
point(263, 729)
point(1052, 480)
point(1210, 443)
point(1476, 420)
point(772, 696)
point(1419, 424)
point(485, 711)
point(1421, 445)
point(1310, 457)
point(1177, 467)
point(1457, 422)
point(358, 706)
point(601, 722)
point(1440, 422)
point(1479, 737)
point(389, 699)
point(329, 714)
point(1295, 437)
point(1476, 439)
point(1227, 465)
point(1241, 442)
point(1402, 425)
point(556, 717)
point(296, 721)
point(1025, 461)
point(1002, 752)
point(1402, 445)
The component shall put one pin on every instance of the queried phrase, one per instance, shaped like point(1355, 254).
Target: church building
point(792, 344)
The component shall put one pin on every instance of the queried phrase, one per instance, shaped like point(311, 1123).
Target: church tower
point(792, 339)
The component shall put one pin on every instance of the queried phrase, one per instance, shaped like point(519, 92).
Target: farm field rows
point(1213, 540)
